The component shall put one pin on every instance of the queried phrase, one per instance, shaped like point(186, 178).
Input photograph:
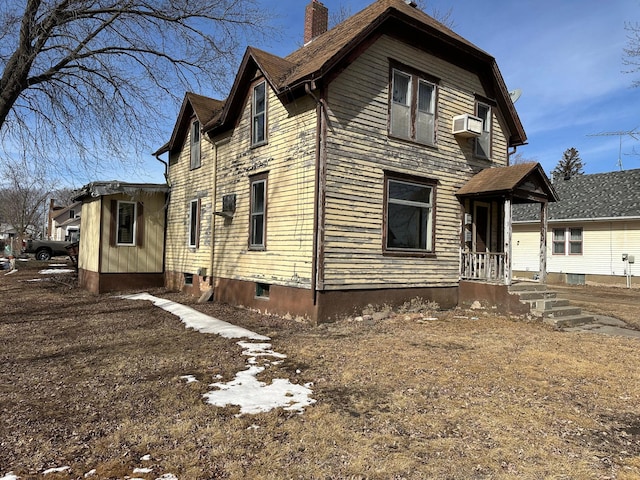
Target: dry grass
point(94, 383)
point(618, 302)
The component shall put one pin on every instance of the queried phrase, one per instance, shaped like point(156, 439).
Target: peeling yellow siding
point(188, 185)
point(145, 258)
point(359, 150)
point(89, 235)
point(289, 159)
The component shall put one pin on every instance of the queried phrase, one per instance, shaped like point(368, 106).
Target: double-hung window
point(483, 142)
point(195, 144)
point(194, 223)
point(126, 222)
point(258, 212)
point(259, 114)
point(413, 107)
point(567, 241)
point(409, 205)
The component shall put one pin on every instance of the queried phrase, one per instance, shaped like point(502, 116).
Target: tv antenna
point(632, 133)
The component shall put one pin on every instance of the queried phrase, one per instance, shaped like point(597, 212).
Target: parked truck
point(45, 249)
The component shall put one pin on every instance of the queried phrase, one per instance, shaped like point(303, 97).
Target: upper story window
point(483, 142)
point(413, 107)
point(126, 222)
point(259, 114)
point(409, 204)
point(195, 144)
point(194, 223)
point(258, 212)
point(567, 241)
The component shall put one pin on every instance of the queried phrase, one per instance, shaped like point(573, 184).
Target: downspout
point(166, 218)
point(166, 167)
point(318, 208)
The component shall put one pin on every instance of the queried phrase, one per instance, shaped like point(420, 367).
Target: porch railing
point(483, 266)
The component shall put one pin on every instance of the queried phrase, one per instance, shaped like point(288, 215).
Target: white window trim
point(134, 226)
point(566, 241)
point(254, 115)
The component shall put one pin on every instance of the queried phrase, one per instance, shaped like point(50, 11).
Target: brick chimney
point(316, 20)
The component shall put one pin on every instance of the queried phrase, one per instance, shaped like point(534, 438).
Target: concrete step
point(547, 304)
point(527, 287)
point(569, 320)
point(558, 312)
point(535, 294)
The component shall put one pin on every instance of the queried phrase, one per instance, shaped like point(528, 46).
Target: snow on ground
point(245, 391)
point(53, 271)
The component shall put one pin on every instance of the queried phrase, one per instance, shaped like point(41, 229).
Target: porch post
point(507, 241)
point(543, 242)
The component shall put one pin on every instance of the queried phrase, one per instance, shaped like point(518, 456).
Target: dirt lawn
point(93, 383)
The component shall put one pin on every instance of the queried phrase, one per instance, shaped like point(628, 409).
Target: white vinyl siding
point(603, 243)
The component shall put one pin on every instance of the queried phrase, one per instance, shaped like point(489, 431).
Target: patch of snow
point(35, 280)
point(145, 458)
point(197, 320)
point(189, 379)
point(253, 396)
point(167, 476)
point(143, 470)
point(11, 271)
point(90, 473)
point(9, 476)
point(57, 265)
point(53, 271)
point(56, 470)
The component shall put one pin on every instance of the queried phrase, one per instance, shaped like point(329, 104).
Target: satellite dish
point(515, 94)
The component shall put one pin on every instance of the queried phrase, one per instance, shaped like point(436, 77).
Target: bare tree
point(569, 165)
point(444, 17)
point(84, 76)
point(632, 51)
point(518, 158)
point(23, 199)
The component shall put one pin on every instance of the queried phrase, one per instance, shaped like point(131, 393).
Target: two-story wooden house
point(333, 178)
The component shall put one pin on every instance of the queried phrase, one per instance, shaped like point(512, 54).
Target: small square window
point(262, 290)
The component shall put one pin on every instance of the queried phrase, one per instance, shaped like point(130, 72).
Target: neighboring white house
point(593, 231)
point(65, 222)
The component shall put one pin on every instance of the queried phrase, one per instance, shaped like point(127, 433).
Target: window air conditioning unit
point(467, 126)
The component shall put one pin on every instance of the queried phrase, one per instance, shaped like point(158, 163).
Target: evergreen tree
point(569, 165)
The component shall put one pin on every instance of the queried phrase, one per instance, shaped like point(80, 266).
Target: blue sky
point(565, 55)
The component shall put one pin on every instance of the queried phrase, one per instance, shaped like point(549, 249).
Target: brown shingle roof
point(331, 49)
point(204, 108)
point(504, 180)
point(316, 54)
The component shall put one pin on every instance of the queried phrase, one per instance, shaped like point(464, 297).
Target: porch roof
point(524, 183)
